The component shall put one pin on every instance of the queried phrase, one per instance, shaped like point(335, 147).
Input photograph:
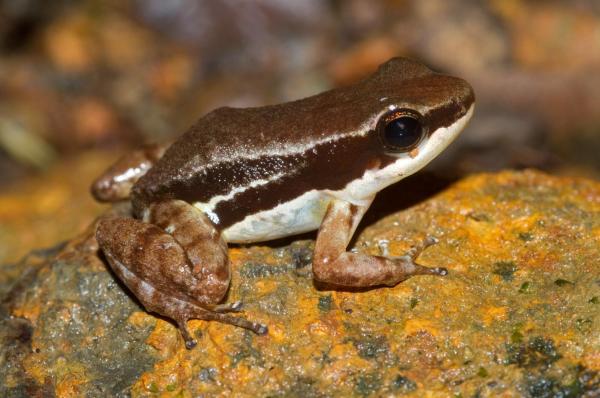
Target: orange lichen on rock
point(493, 314)
point(419, 325)
point(518, 307)
point(164, 338)
point(30, 310)
point(42, 211)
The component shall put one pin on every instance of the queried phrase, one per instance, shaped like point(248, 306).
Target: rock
point(518, 313)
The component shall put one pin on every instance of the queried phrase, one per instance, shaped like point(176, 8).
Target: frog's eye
point(400, 130)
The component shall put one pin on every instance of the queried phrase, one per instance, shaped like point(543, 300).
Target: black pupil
point(403, 132)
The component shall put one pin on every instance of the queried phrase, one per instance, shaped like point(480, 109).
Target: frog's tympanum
point(256, 174)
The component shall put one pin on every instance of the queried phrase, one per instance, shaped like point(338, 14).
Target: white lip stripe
point(373, 181)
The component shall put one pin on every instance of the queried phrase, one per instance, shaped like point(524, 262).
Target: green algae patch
point(517, 314)
point(505, 269)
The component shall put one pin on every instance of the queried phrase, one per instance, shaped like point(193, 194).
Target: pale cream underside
point(306, 212)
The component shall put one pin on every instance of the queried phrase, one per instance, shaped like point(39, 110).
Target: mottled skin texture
point(245, 162)
point(181, 275)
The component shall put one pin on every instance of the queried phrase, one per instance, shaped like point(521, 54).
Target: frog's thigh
point(155, 267)
point(332, 264)
point(153, 264)
point(201, 241)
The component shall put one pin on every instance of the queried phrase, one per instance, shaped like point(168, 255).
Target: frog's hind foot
point(196, 312)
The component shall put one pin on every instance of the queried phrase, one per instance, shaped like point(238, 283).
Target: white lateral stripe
point(209, 206)
point(280, 149)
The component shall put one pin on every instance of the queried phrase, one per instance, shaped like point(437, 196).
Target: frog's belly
point(299, 215)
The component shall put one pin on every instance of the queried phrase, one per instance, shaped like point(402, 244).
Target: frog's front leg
point(175, 262)
point(332, 264)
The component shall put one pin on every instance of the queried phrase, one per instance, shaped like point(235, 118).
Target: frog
point(249, 175)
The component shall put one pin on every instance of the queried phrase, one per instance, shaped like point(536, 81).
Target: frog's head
point(422, 111)
point(414, 114)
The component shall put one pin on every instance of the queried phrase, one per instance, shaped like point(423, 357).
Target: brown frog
point(256, 174)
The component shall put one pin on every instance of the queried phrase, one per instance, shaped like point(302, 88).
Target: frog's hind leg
point(202, 244)
point(170, 277)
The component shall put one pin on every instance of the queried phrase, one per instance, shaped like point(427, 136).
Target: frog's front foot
point(410, 267)
point(332, 264)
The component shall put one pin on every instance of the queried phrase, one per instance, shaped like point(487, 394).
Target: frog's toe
point(416, 250)
point(229, 307)
point(408, 267)
point(261, 329)
point(190, 342)
point(192, 311)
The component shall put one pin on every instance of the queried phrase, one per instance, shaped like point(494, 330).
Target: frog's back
point(237, 162)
